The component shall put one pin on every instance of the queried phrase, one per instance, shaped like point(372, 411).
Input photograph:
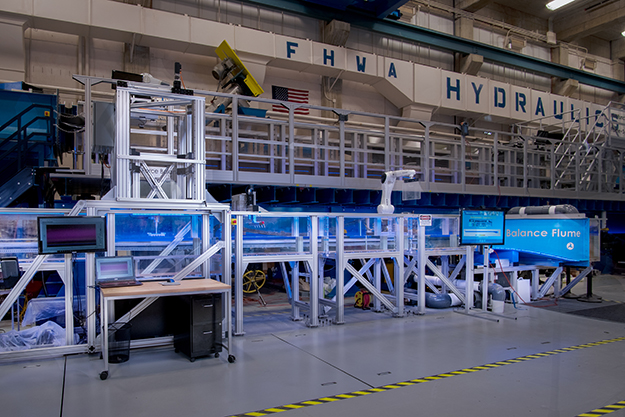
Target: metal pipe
point(441, 300)
point(551, 210)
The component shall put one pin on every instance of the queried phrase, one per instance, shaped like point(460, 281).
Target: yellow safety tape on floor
point(349, 395)
point(604, 410)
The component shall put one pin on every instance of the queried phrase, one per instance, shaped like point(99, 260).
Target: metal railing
point(562, 156)
point(21, 135)
point(581, 155)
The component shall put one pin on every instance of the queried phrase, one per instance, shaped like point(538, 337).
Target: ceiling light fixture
point(623, 33)
point(556, 4)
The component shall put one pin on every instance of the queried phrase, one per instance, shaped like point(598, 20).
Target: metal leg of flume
point(231, 357)
point(104, 337)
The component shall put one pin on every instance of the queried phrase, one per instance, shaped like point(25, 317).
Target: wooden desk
point(156, 289)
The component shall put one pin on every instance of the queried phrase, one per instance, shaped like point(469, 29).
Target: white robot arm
point(388, 182)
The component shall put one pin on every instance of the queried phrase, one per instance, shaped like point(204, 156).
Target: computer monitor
point(65, 234)
point(482, 227)
point(114, 268)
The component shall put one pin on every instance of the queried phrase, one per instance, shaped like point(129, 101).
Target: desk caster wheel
point(231, 358)
point(191, 360)
point(217, 354)
point(104, 375)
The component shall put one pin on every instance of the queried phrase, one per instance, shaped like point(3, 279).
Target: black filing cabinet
point(198, 325)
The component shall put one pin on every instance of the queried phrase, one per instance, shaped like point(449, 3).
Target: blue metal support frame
point(444, 41)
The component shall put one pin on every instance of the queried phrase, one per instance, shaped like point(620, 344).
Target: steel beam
point(577, 279)
point(446, 280)
point(550, 282)
point(371, 288)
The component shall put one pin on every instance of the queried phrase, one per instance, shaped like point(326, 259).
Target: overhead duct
point(336, 33)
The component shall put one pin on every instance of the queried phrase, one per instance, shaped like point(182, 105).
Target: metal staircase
point(12, 189)
point(584, 154)
point(26, 143)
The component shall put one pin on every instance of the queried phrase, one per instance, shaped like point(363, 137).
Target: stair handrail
point(23, 112)
point(586, 145)
point(571, 142)
point(594, 125)
point(23, 128)
point(604, 129)
point(19, 135)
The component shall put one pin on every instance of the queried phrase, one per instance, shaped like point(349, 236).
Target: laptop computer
point(115, 271)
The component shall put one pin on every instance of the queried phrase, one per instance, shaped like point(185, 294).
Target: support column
point(314, 273)
point(422, 261)
point(239, 270)
point(340, 269)
point(469, 269)
point(12, 49)
point(68, 281)
point(617, 53)
point(560, 55)
point(399, 272)
point(464, 27)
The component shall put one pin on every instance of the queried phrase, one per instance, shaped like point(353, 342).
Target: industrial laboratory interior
point(313, 208)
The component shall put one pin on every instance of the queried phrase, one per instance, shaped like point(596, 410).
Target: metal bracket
point(365, 282)
point(577, 279)
point(549, 283)
point(343, 116)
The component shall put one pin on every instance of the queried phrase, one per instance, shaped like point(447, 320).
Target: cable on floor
point(324, 361)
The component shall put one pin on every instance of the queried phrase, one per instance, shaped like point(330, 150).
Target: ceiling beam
point(473, 5)
point(388, 7)
point(618, 49)
point(583, 24)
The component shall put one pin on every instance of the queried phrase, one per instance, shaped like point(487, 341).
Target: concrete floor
point(282, 363)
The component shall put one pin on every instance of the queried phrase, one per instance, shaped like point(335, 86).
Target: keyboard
point(113, 284)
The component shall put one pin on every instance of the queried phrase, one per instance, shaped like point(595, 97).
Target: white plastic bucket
point(497, 306)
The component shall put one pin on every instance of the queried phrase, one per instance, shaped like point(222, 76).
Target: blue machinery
point(172, 228)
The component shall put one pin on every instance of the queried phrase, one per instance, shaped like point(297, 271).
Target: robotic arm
point(388, 182)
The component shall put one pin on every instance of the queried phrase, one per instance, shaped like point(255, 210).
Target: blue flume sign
point(562, 239)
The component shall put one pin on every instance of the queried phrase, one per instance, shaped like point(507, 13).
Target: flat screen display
point(482, 227)
point(71, 234)
point(114, 268)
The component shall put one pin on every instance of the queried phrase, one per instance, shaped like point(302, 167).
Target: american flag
point(289, 94)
